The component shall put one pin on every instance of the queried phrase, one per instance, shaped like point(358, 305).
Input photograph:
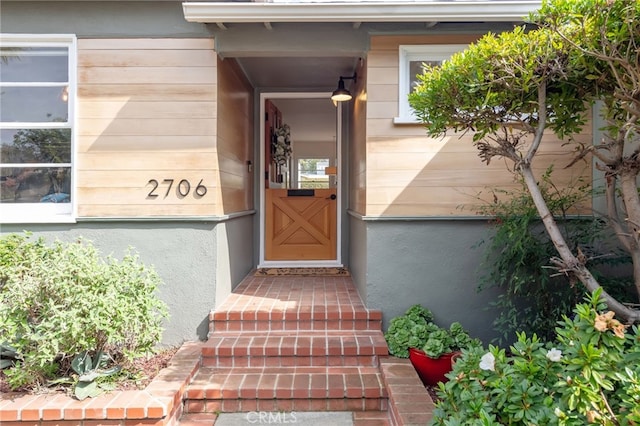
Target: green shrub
point(589, 375)
point(58, 301)
point(534, 296)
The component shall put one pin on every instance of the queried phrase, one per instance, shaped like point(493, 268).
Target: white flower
point(488, 362)
point(554, 355)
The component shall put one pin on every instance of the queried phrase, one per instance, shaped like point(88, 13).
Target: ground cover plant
point(589, 374)
point(70, 316)
point(416, 329)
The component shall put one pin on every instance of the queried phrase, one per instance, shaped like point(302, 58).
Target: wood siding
point(235, 138)
point(148, 110)
point(410, 174)
point(357, 145)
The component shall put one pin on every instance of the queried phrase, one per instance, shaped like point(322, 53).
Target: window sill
point(406, 121)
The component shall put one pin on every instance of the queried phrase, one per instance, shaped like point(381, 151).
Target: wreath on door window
point(281, 145)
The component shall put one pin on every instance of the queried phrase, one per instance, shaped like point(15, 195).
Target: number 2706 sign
point(181, 189)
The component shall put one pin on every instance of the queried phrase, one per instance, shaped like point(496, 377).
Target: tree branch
point(542, 123)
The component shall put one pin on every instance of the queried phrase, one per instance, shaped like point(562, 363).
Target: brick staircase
point(276, 345)
point(293, 344)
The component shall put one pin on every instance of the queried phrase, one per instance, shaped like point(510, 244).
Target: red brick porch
point(277, 343)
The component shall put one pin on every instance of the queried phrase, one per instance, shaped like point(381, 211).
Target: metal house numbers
point(181, 190)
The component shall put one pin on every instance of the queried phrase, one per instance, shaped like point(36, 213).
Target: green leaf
point(85, 390)
point(82, 363)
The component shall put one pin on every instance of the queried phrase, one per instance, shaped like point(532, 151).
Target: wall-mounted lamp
point(341, 94)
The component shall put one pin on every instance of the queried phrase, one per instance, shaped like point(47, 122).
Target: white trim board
point(355, 11)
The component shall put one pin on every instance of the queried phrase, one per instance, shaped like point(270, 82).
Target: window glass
point(36, 126)
point(311, 173)
point(36, 184)
point(412, 61)
point(36, 146)
point(34, 64)
point(34, 104)
point(416, 68)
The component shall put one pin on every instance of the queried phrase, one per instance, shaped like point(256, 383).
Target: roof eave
point(366, 11)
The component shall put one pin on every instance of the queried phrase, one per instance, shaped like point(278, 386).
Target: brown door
point(300, 224)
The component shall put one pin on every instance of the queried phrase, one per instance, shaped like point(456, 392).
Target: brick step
point(286, 388)
point(302, 349)
point(244, 325)
point(304, 318)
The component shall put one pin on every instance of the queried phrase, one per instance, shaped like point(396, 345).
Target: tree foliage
point(512, 88)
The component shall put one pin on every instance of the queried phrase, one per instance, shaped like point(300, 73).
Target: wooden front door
point(300, 224)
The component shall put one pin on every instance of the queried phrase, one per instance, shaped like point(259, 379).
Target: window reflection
point(35, 64)
point(35, 146)
point(33, 104)
point(35, 184)
point(417, 67)
point(311, 173)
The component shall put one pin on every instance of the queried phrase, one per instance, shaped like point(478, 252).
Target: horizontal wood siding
point(146, 110)
point(411, 174)
point(235, 138)
point(357, 146)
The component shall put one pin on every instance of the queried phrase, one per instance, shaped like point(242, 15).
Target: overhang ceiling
point(297, 73)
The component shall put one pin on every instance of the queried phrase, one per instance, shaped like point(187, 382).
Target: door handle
point(332, 197)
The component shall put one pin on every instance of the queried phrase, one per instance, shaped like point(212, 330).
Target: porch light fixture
point(341, 94)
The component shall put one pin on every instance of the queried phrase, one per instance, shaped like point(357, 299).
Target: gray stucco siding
point(432, 262)
point(98, 19)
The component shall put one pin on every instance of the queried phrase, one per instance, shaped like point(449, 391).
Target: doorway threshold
point(300, 264)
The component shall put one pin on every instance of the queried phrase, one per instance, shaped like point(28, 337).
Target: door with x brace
point(300, 224)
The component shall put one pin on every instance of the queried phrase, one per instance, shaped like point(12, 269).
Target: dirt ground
point(142, 369)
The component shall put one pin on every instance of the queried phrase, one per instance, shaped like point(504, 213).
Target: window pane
point(311, 173)
point(415, 68)
point(35, 146)
point(34, 104)
point(35, 64)
point(35, 185)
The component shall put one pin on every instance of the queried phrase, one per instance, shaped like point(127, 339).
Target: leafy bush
point(589, 375)
point(517, 259)
point(416, 329)
point(62, 300)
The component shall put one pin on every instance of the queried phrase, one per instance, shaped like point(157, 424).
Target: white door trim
point(305, 263)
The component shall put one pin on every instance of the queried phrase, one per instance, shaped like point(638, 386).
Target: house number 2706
point(183, 188)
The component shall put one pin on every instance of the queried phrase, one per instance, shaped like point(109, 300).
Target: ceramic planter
point(432, 370)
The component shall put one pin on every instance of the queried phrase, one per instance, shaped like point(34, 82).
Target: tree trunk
point(570, 263)
point(631, 201)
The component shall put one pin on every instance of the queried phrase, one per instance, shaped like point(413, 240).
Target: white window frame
point(47, 212)
point(412, 53)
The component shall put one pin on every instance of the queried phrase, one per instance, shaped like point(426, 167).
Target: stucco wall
point(358, 254)
point(184, 255)
point(431, 262)
point(234, 249)
point(98, 18)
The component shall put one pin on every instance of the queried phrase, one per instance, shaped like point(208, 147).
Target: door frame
point(300, 263)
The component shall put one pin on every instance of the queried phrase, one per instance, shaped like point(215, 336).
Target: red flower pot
point(432, 370)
